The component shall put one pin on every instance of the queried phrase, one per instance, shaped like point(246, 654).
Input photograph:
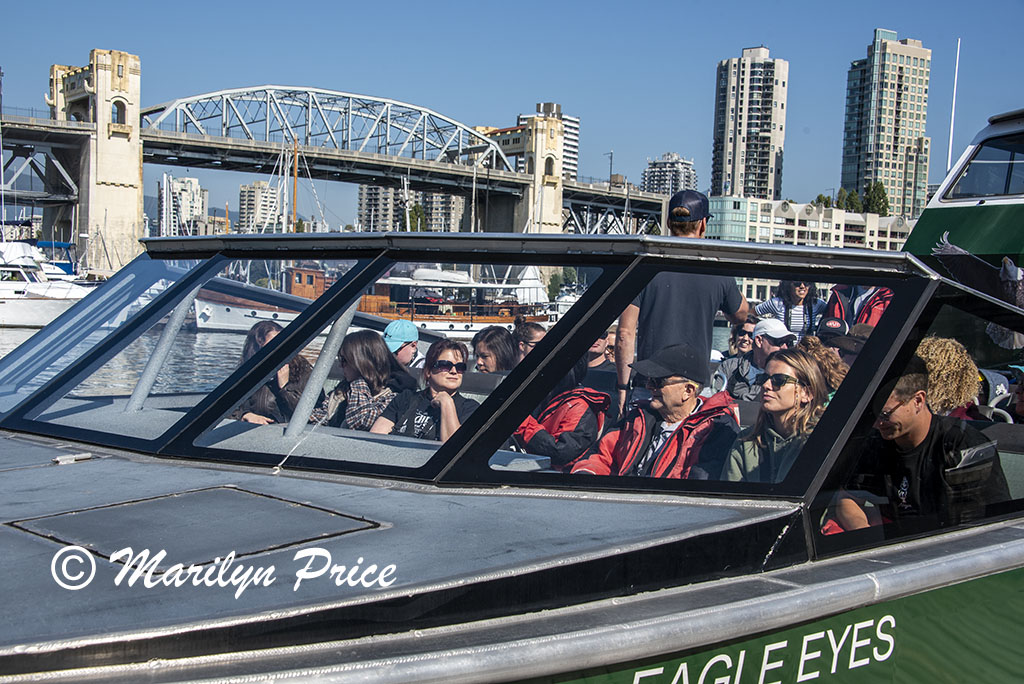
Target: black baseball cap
point(694, 202)
point(678, 359)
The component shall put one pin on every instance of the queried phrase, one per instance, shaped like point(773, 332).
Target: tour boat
point(152, 535)
point(28, 297)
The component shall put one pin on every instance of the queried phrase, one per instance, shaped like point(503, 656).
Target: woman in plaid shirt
point(372, 379)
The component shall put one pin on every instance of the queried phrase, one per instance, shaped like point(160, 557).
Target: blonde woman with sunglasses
point(792, 399)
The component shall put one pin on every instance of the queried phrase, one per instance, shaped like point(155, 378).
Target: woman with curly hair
point(796, 304)
point(792, 400)
point(953, 378)
point(832, 368)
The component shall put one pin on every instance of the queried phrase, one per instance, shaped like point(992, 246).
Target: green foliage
point(554, 286)
point(823, 201)
point(349, 227)
point(417, 217)
point(841, 198)
point(853, 203)
point(300, 226)
point(876, 200)
point(569, 276)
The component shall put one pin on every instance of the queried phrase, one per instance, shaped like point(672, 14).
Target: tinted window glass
point(997, 168)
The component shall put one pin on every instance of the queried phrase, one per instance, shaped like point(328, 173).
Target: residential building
point(183, 207)
point(381, 209)
point(750, 125)
point(886, 111)
point(669, 175)
point(748, 220)
point(260, 208)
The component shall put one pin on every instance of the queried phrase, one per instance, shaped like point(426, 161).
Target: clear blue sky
point(639, 74)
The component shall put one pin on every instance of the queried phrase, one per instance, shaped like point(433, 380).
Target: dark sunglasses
point(885, 416)
point(745, 333)
point(785, 342)
point(778, 380)
point(444, 366)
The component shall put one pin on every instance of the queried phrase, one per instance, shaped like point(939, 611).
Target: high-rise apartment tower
point(669, 175)
point(886, 109)
point(750, 125)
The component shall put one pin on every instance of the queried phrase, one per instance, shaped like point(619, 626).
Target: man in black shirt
point(919, 465)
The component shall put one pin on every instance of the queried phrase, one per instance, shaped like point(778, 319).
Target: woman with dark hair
point(372, 379)
point(741, 339)
point(792, 400)
point(567, 422)
point(275, 400)
point(796, 304)
point(437, 411)
point(527, 334)
point(494, 349)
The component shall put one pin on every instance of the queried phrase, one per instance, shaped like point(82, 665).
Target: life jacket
point(564, 412)
point(619, 451)
point(840, 305)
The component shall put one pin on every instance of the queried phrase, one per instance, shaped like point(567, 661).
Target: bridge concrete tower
point(106, 93)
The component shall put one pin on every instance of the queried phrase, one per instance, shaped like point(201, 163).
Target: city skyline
point(640, 104)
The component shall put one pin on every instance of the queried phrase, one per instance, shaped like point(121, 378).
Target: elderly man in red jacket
point(678, 433)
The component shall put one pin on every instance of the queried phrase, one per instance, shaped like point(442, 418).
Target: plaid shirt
point(362, 408)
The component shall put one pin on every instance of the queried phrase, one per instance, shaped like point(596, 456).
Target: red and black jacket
point(697, 448)
point(840, 305)
point(566, 427)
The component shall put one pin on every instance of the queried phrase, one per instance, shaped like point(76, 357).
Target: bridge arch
point(330, 119)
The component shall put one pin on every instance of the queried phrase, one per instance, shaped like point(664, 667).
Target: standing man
point(402, 339)
point(676, 308)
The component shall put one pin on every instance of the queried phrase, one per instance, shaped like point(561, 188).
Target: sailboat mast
point(295, 182)
point(952, 113)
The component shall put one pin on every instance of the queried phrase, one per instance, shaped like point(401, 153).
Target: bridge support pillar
point(106, 92)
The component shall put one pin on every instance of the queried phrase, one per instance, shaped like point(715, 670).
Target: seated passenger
point(741, 338)
point(791, 403)
point(953, 378)
point(373, 376)
point(596, 357)
point(848, 346)
point(402, 339)
point(567, 422)
point(858, 304)
point(831, 366)
point(437, 411)
point(494, 349)
point(796, 304)
point(738, 375)
point(527, 334)
point(677, 434)
point(917, 464)
point(275, 400)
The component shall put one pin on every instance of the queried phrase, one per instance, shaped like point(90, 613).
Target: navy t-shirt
point(680, 308)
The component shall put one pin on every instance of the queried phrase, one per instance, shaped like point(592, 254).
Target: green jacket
point(750, 462)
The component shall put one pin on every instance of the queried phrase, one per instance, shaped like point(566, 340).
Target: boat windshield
point(995, 169)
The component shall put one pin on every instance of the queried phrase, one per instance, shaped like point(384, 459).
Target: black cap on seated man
point(919, 465)
point(677, 434)
point(738, 375)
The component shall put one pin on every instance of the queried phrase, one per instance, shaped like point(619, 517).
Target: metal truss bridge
point(342, 137)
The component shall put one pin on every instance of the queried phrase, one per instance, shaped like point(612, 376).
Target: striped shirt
point(798, 323)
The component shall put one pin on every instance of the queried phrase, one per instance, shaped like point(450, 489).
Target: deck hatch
point(196, 526)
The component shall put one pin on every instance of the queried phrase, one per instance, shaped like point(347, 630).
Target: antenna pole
point(952, 113)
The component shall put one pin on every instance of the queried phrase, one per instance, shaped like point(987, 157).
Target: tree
point(554, 286)
point(349, 228)
point(417, 217)
point(853, 203)
point(300, 226)
point(876, 200)
point(823, 201)
point(841, 199)
point(569, 276)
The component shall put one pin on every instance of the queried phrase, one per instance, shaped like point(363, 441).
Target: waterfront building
point(570, 138)
point(260, 208)
point(381, 209)
point(182, 207)
point(750, 125)
point(886, 111)
point(783, 222)
point(669, 174)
